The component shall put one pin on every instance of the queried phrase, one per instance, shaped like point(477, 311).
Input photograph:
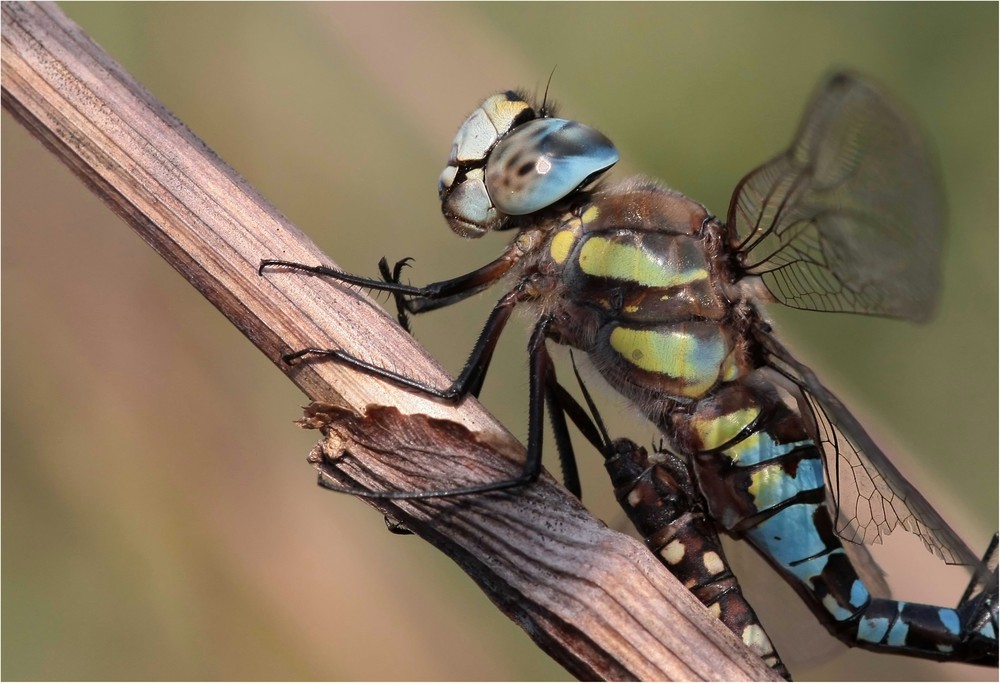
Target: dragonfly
point(667, 301)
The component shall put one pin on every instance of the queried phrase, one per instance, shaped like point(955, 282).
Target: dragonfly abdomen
point(657, 495)
point(762, 477)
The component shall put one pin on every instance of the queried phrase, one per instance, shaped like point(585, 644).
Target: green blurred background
point(159, 518)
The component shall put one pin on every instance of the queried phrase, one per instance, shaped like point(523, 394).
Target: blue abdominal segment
point(763, 479)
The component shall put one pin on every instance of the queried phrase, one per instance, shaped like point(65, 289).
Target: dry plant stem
point(595, 600)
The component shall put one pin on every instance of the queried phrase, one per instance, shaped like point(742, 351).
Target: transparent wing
point(850, 217)
point(870, 496)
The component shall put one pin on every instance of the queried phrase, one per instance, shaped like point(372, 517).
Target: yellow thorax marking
point(601, 257)
point(561, 243)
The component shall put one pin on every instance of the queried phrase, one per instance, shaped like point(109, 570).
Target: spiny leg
point(978, 607)
point(417, 299)
point(541, 378)
point(470, 379)
point(983, 584)
point(399, 298)
point(420, 299)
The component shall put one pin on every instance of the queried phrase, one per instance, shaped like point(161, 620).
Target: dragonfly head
point(507, 161)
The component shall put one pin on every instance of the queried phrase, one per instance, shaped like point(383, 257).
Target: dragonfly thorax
point(639, 290)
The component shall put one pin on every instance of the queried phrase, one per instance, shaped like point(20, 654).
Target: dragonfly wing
point(871, 497)
point(850, 218)
point(867, 568)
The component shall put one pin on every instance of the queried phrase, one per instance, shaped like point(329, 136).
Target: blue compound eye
point(543, 161)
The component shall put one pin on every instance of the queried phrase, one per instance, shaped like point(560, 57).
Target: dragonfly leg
point(541, 378)
point(393, 276)
point(564, 445)
point(978, 608)
point(413, 299)
point(420, 299)
point(470, 379)
point(541, 382)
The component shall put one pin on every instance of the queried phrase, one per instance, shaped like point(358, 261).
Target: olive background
point(159, 518)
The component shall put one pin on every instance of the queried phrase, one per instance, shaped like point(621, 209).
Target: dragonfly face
point(506, 161)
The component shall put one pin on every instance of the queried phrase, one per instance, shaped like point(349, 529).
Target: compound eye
point(543, 161)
